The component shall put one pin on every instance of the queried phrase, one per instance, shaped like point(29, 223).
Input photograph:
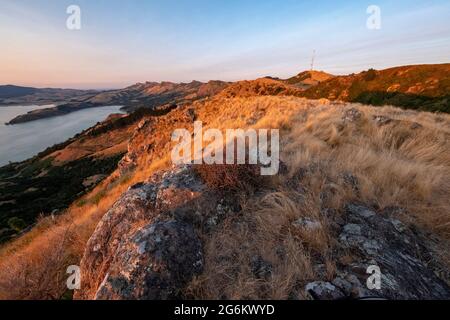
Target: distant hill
point(260, 87)
point(154, 94)
point(10, 91)
point(422, 87)
point(17, 95)
point(308, 79)
point(149, 95)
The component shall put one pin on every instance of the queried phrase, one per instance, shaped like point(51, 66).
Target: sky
point(124, 42)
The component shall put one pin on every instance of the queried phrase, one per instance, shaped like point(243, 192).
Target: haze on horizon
point(121, 43)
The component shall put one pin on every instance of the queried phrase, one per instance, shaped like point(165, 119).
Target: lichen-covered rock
point(155, 263)
point(320, 290)
point(381, 120)
point(307, 224)
point(145, 246)
point(261, 269)
point(401, 254)
point(351, 115)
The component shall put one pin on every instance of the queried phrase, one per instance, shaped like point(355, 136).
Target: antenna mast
point(312, 60)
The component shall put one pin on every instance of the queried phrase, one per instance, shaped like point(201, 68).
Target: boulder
point(154, 263)
point(351, 115)
point(381, 120)
point(403, 256)
point(146, 247)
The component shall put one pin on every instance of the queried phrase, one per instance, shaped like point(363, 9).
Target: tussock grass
point(329, 164)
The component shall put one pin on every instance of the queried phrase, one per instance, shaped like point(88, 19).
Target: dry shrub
point(330, 163)
point(224, 177)
point(261, 254)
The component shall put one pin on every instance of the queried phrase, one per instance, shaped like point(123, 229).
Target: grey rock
point(352, 229)
point(415, 126)
point(261, 268)
point(402, 255)
point(307, 224)
point(356, 209)
point(320, 290)
point(351, 180)
point(153, 264)
point(382, 120)
point(351, 115)
point(145, 246)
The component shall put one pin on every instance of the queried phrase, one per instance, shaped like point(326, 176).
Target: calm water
point(22, 141)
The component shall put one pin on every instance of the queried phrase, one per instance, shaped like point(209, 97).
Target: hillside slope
point(421, 87)
point(357, 184)
point(49, 182)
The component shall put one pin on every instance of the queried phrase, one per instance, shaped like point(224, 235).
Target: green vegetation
point(16, 224)
point(98, 197)
point(36, 186)
point(423, 87)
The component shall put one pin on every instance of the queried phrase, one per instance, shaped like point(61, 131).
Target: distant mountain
point(422, 87)
point(17, 95)
point(10, 91)
point(149, 95)
point(154, 94)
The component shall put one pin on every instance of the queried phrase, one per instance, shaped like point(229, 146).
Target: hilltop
point(259, 87)
point(308, 79)
point(422, 87)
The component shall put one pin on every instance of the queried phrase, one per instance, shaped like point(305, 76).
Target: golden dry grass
point(394, 165)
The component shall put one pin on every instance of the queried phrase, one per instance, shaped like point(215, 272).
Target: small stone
point(307, 224)
point(360, 210)
point(320, 290)
point(416, 126)
point(352, 229)
point(352, 115)
point(261, 268)
point(371, 247)
point(343, 284)
point(398, 225)
point(382, 120)
point(351, 180)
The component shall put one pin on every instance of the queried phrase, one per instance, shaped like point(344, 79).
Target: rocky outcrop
point(153, 263)
point(402, 255)
point(351, 115)
point(146, 246)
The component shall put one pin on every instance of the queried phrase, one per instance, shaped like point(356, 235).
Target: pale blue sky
point(123, 42)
